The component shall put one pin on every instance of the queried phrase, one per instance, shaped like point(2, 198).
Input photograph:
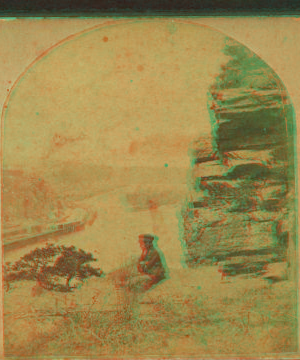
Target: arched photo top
point(150, 75)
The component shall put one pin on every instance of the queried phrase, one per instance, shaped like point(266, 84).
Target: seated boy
point(150, 262)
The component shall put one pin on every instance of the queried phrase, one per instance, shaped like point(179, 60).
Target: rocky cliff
point(243, 211)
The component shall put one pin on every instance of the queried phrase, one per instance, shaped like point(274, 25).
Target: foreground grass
point(238, 317)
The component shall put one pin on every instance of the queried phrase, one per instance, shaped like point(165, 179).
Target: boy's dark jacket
point(150, 263)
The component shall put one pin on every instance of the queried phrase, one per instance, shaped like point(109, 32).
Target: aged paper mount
point(149, 187)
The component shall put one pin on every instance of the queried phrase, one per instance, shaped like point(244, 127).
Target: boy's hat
point(147, 237)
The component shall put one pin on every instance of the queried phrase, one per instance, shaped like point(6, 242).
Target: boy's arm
point(155, 258)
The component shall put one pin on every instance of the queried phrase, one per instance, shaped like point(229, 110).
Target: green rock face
point(246, 187)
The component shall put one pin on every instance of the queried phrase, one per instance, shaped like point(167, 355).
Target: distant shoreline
point(45, 230)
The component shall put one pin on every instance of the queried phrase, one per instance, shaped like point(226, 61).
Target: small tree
point(32, 265)
point(52, 261)
point(73, 263)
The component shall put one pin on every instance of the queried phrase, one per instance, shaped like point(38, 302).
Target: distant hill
point(73, 181)
point(28, 198)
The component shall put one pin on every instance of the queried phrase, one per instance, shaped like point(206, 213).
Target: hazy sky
point(119, 95)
